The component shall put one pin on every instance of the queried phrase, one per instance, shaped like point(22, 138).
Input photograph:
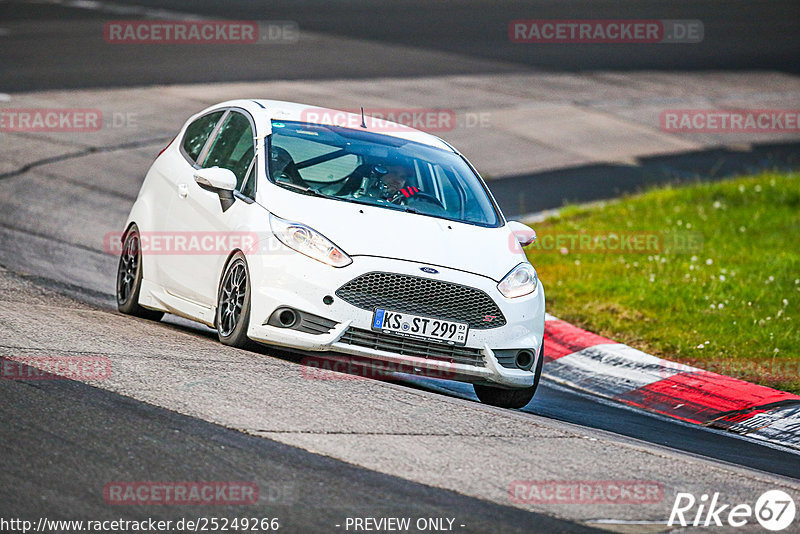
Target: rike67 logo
point(774, 510)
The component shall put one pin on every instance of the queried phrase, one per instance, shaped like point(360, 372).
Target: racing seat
point(354, 181)
point(282, 167)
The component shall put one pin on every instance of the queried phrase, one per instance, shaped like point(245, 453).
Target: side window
point(233, 147)
point(197, 134)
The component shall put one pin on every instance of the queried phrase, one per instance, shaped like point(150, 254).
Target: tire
point(233, 304)
point(129, 278)
point(511, 398)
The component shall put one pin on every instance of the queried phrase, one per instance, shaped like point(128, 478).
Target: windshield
point(380, 170)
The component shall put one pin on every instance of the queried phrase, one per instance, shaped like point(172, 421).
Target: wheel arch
point(127, 230)
point(221, 275)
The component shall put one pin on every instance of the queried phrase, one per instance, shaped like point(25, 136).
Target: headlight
point(521, 280)
point(308, 241)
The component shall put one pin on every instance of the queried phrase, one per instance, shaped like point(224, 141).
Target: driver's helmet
point(393, 176)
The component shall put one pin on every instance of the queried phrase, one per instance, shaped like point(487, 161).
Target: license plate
point(419, 326)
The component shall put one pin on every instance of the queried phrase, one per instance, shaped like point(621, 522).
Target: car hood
point(362, 230)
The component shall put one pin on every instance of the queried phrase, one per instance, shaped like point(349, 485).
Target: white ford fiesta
point(328, 232)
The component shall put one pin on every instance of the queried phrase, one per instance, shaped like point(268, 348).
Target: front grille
point(413, 347)
point(423, 296)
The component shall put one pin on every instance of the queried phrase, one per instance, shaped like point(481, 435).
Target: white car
point(358, 236)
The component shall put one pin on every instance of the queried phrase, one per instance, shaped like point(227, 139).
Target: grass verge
point(706, 274)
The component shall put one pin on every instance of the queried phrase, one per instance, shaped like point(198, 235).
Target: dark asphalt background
point(62, 441)
point(50, 46)
point(528, 193)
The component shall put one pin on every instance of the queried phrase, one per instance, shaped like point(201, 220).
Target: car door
point(206, 231)
point(174, 170)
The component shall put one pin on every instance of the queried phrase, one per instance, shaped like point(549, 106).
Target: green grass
point(731, 305)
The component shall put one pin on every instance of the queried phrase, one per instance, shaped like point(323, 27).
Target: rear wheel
point(233, 304)
point(511, 398)
point(129, 278)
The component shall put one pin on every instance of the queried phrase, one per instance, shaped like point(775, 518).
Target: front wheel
point(129, 278)
point(511, 398)
point(233, 304)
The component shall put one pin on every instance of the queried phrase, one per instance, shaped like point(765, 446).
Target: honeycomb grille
point(423, 296)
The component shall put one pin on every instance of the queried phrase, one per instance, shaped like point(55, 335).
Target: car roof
point(293, 111)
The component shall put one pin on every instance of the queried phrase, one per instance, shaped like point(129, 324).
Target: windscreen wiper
point(397, 207)
point(304, 189)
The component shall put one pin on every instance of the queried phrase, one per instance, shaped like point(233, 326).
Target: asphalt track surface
point(535, 192)
point(60, 438)
point(63, 440)
point(53, 46)
point(55, 452)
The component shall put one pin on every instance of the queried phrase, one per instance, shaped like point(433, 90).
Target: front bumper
point(291, 279)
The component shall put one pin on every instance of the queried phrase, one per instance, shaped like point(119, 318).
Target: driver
point(391, 181)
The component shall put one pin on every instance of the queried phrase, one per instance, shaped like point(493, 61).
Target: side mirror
point(524, 234)
point(219, 181)
point(215, 179)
